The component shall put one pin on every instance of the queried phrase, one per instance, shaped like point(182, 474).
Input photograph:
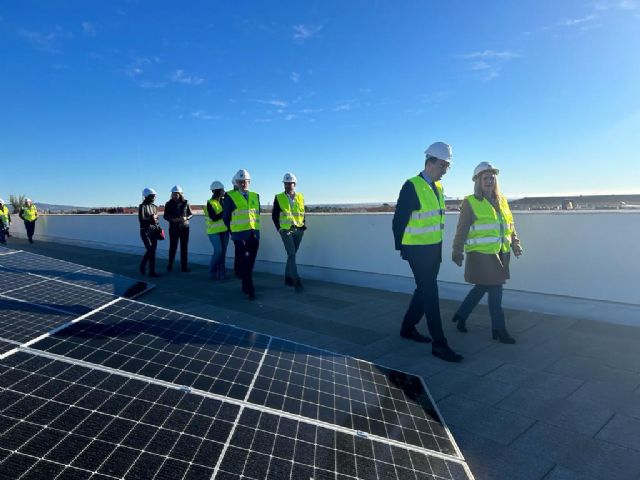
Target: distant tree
point(16, 202)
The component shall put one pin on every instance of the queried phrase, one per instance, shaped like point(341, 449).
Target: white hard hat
point(483, 167)
point(242, 175)
point(289, 178)
point(440, 150)
point(216, 185)
point(1, 200)
point(176, 189)
point(148, 191)
point(27, 200)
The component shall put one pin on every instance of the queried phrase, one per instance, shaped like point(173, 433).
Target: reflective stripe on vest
point(425, 226)
point(30, 213)
point(491, 231)
point(291, 216)
point(4, 214)
point(246, 216)
point(214, 227)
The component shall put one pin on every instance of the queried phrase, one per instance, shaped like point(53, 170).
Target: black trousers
point(426, 299)
point(246, 252)
point(30, 228)
point(495, 304)
point(178, 234)
point(150, 241)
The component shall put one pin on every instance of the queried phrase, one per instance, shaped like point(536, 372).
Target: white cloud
point(47, 42)
point(580, 20)
point(604, 5)
point(304, 32)
point(492, 54)
point(179, 76)
point(275, 103)
point(151, 85)
point(202, 115)
point(139, 64)
point(89, 29)
point(289, 116)
point(295, 77)
point(343, 107)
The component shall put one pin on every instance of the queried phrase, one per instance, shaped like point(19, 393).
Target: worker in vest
point(487, 234)
point(5, 221)
point(29, 213)
point(241, 214)
point(288, 217)
point(418, 227)
point(234, 184)
point(217, 231)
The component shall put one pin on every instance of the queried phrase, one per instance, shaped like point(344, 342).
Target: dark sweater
point(227, 209)
point(146, 212)
point(177, 210)
point(212, 213)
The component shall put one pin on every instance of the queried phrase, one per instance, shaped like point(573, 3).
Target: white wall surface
point(591, 255)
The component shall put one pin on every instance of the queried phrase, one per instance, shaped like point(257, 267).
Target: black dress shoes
point(461, 323)
point(288, 281)
point(503, 336)
point(415, 336)
point(446, 354)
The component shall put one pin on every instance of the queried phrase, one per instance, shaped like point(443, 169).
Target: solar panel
point(61, 296)
point(32, 267)
point(265, 445)
point(4, 250)
point(166, 345)
point(59, 418)
point(21, 321)
point(352, 393)
point(6, 346)
point(10, 280)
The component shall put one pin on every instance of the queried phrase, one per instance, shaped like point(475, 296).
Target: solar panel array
point(106, 387)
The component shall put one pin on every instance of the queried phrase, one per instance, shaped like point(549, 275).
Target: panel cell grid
point(20, 321)
point(62, 296)
point(10, 280)
point(106, 282)
point(265, 445)
point(26, 262)
point(165, 345)
point(62, 419)
point(351, 393)
point(5, 346)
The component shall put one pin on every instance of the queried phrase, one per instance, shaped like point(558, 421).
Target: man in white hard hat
point(29, 214)
point(289, 219)
point(217, 231)
point(5, 221)
point(177, 212)
point(241, 214)
point(418, 227)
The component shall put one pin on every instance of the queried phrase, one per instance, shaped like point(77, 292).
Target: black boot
point(288, 281)
point(143, 268)
point(503, 336)
point(461, 323)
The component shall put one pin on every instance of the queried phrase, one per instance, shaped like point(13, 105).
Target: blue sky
point(100, 99)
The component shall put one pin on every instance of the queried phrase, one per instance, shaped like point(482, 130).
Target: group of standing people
point(234, 214)
point(485, 233)
point(28, 212)
point(484, 240)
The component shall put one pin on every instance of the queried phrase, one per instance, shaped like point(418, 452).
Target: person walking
point(177, 212)
point(487, 234)
point(5, 221)
point(29, 214)
point(149, 231)
point(217, 231)
point(289, 219)
point(234, 184)
point(418, 226)
point(241, 214)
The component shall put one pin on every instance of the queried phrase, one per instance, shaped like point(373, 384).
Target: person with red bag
point(150, 231)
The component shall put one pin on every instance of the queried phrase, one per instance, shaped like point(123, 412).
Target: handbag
point(161, 235)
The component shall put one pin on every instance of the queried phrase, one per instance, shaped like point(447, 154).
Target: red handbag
point(161, 235)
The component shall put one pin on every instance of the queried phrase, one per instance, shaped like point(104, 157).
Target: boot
point(461, 323)
point(503, 336)
point(143, 268)
point(288, 281)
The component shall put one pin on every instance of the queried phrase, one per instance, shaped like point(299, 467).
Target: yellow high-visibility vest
point(246, 215)
point(214, 227)
point(426, 225)
point(29, 213)
point(4, 214)
point(491, 231)
point(291, 216)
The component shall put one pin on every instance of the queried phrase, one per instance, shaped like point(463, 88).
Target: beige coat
point(481, 268)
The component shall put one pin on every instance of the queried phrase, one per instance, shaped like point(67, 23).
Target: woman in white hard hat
point(487, 234)
point(149, 231)
point(217, 231)
point(178, 213)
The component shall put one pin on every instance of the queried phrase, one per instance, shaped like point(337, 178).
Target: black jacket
point(146, 212)
point(177, 210)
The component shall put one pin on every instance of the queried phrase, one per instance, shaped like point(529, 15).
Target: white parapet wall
point(588, 255)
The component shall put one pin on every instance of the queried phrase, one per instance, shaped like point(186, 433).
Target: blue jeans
point(495, 304)
point(219, 241)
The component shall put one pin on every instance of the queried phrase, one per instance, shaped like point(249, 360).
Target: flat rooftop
point(562, 403)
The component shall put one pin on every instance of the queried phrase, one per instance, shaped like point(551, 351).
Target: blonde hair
point(477, 188)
